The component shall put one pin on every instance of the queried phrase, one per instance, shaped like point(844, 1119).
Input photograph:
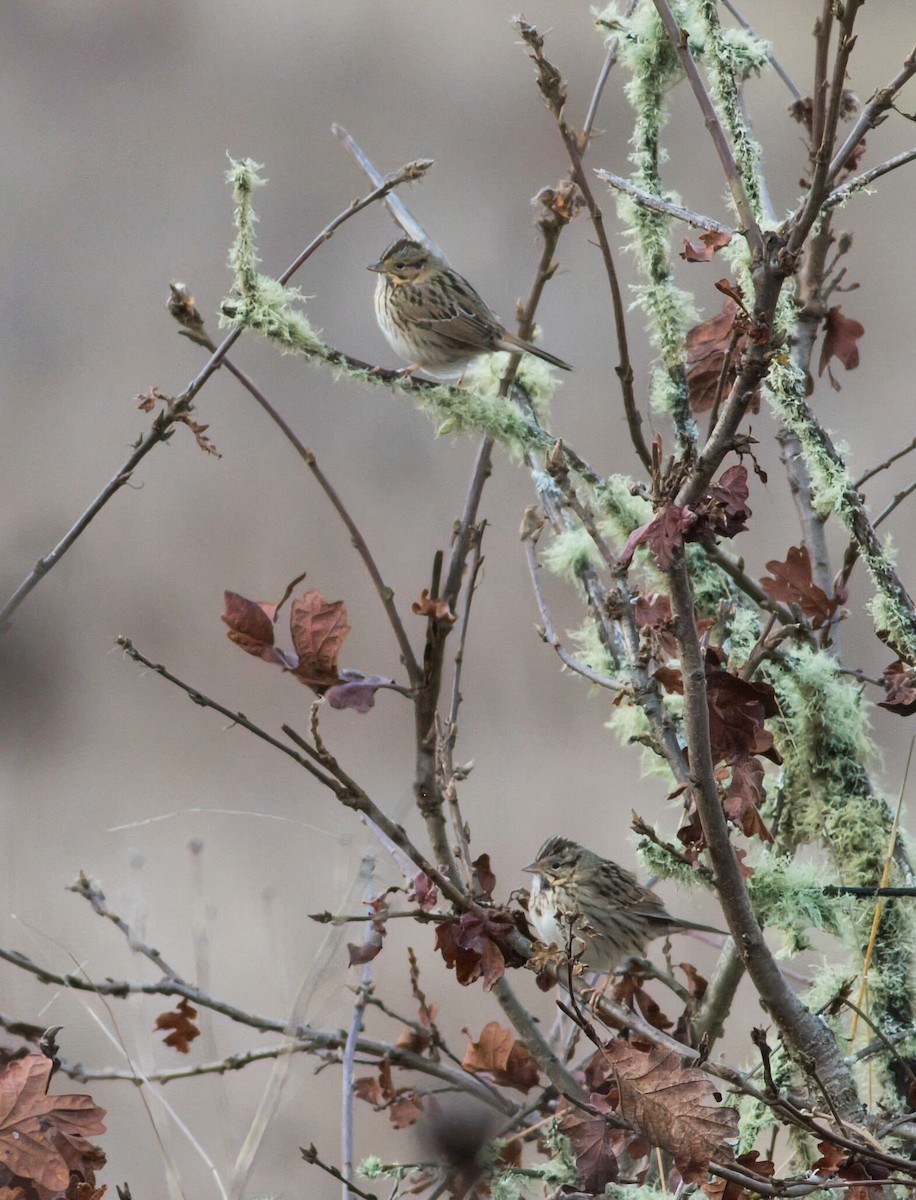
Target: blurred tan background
point(116, 119)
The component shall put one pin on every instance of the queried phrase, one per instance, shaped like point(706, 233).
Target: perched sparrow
point(612, 915)
point(434, 318)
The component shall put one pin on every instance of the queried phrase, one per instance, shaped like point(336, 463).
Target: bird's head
point(406, 262)
point(557, 859)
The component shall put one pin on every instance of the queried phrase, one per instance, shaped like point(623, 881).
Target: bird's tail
point(510, 343)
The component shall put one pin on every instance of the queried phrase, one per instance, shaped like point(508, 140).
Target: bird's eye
point(399, 266)
point(555, 865)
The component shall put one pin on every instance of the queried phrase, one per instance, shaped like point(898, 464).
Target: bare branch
point(657, 204)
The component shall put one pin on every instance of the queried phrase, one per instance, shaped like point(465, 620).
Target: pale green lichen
point(789, 896)
point(826, 797)
point(621, 511)
point(570, 552)
point(589, 647)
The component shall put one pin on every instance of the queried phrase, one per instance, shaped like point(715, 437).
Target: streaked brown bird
point(434, 318)
point(610, 915)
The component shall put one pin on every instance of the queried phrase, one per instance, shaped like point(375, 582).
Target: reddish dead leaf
point(465, 963)
point(727, 288)
point(153, 397)
point(431, 606)
point(424, 893)
point(251, 626)
point(711, 241)
point(475, 945)
point(696, 984)
point(899, 689)
point(744, 796)
point(319, 628)
point(674, 1107)
point(368, 1088)
point(12, 1193)
point(791, 582)
point(181, 1023)
point(500, 1055)
point(724, 507)
point(737, 711)
point(593, 1141)
point(405, 1109)
point(629, 991)
point(841, 341)
point(366, 950)
point(357, 691)
point(199, 431)
point(707, 345)
point(86, 1191)
point(485, 876)
point(33, 1125)
point(664, 535)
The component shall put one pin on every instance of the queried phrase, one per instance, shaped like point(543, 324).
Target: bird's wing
point(462, 317)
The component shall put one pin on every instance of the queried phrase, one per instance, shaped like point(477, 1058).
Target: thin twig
point(657, 204)
point(773, 60)
point(237, 718)
point(871, 113)
point(310, 1154)
point(177, 409)
point(367, 874)
point(883, 466)
point(678, 39)
point(548, 633)
point(845, 190)
point(553, 89)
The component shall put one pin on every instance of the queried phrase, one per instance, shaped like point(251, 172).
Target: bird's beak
point(532, 868)
point(376, 266)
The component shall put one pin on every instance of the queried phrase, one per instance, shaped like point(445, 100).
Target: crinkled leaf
point(674, 1107)
point(357, 691)
point(899, 689)
point(703, 250)
point(664, 535)
point(33, 1125)
point(744, 796)
point(792, 583)
point(707, 345)
point(593, 1141)
point(737, 710)
point(251, 626)
point(498, 1053)
point(485, 876)
point(424, 892)
point(318, 629)
point(180, 1021)
point(841, 340)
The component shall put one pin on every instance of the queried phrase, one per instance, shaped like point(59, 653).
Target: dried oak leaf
point(664, 535)
point(499, 1054)
point(319, 628)
point(424, 893)
point(899, 689)
point(743, 797)
point(475, 945)
point(712, 239)
point(724, 507)
point(673, 1106)
point(181, 1023)
point(595, 1143)
point(485, 876)
point(707, 345)
point(737, 711)
point(840, 341)
point(403, 1105)
point(356, 691)
point(629, 991)
point(251, 626)
point(792, 583)
point(33, 1125)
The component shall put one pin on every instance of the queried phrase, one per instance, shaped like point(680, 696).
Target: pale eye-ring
point(555, 865)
